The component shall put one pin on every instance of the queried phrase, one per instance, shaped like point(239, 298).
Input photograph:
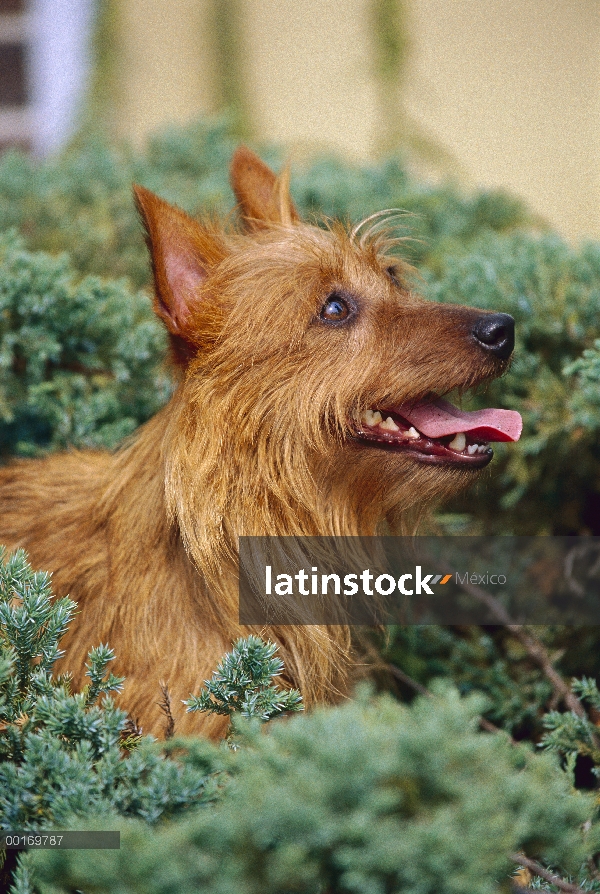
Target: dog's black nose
point(496, 333)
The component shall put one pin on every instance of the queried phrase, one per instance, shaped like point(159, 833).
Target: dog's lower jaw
point(428, 451)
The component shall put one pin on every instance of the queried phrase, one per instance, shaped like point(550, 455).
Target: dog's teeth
point(482, 448)
point(412, 433)
point(389, 425)
point(472, 449)
point(372, 418)
point(458, 442)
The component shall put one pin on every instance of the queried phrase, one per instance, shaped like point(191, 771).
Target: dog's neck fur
point(200, 538)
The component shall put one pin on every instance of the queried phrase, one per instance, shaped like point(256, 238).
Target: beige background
point(510, 88)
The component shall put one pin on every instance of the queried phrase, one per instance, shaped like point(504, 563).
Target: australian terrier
point(309, 403)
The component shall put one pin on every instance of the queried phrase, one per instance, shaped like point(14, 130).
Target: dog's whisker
point(378, 218)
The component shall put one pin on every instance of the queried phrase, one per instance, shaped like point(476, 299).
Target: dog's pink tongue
point(436, 420)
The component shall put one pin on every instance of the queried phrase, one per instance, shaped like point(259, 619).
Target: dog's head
point(314, 374)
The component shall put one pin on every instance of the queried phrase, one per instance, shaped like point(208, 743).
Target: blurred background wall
point(499, 93)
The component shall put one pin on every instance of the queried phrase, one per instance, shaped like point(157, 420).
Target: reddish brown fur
point(255, 441)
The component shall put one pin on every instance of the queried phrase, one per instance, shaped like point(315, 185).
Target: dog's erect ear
point(182, 254)
point(263, 198)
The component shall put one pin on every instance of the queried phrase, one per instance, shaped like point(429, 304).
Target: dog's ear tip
point(140, 191)
point(144, 200)
point(263, 198)
point(247, 167)
point(244, 155)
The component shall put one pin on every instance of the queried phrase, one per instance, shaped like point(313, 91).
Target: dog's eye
point(335, 309)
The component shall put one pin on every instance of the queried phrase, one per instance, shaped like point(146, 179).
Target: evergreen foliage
point(372, 796)
point(81, 202)
point(243, 684)
point(62, 753)
point(487, 660)
point(585, 401)
point(79, 358)
point(570, 735)
point(67, 756)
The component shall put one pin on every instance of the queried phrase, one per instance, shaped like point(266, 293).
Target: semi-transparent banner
point(420, 580)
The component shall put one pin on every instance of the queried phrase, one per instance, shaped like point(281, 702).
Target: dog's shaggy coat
point(259, 438)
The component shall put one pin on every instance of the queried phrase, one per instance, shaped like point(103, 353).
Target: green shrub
point(585, 400)
point(80, 358)
point(243, 684)
point(485, 660)
point(373, 796)
point(61, 753)
point(368, 797)
point(67, 756)
point(570, 735)
point(81, 202)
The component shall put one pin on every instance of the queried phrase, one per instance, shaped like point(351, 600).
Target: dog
point(308, 403)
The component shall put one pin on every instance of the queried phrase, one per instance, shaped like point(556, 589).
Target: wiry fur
point(256, 441)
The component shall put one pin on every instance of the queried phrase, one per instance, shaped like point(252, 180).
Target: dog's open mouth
point(438, 432)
